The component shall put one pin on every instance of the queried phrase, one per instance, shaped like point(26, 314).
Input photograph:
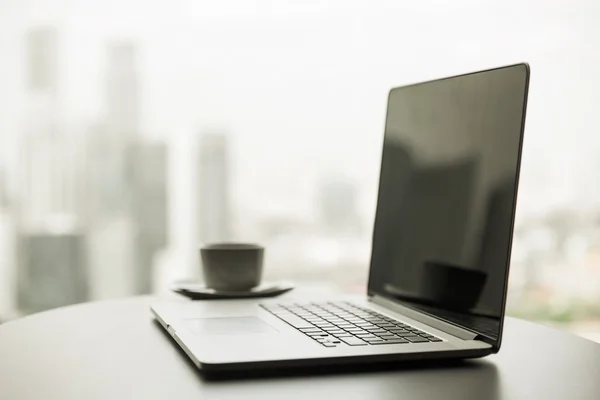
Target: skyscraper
point(122, 92)
point(110, 140)
point(213, 189)
point(52, 269)
point(46, 184)
point(127, 185)
point(148, 177)
point(42, 60)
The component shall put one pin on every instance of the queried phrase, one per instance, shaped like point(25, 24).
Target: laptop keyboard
point(342, 323)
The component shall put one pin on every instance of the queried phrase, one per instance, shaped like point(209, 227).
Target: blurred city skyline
point(90, 218)
point(191, 56)
point(295, 92)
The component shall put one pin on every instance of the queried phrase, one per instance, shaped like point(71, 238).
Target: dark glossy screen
point(445, 211)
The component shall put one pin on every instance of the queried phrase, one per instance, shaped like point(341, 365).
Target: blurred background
point(132, 130)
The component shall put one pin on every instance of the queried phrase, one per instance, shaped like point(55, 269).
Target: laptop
point(441, 245)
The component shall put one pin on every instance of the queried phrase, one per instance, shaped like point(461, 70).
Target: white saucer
point(197, 290)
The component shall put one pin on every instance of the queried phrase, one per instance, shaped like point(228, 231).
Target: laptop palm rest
point(229, 326)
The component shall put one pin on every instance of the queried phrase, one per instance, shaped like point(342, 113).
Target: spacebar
point(295, 321)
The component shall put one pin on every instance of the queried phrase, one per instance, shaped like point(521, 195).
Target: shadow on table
point(479, 367)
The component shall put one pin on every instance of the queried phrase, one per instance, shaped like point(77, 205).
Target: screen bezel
point(371, 291)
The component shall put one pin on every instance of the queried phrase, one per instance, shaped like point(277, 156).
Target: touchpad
point(229, 326)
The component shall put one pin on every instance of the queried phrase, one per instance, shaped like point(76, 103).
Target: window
point(132, 130)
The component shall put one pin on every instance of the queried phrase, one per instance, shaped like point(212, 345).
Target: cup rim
point(231, 246)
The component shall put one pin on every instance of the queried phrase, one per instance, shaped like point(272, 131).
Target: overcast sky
point(301, 85)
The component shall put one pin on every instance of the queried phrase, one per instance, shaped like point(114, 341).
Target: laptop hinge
point(424, 318)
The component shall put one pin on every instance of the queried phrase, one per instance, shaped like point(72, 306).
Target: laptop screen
point(447, 191)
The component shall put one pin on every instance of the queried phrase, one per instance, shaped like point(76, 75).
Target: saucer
point(198, 291)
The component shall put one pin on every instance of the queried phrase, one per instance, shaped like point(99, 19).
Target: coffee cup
point(232, 266)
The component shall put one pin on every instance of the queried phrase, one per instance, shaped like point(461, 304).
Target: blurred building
point(52, 270)
point(110, 243)
point(148, 177)
point(48, 155)
point(122, 92)
point(126, 211)
point(7, 254)
point(50, 176)
point(110, 140)
point(42, 61)
point(213, 198)
point(105, 183)
point(50, 240)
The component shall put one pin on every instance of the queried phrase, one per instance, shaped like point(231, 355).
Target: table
point(115, 350)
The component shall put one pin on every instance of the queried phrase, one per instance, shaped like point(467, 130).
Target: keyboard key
point(368, 325)
point(395, 341)
point(387, 336)
point(427, 335)
point(296, 322)
point(376, 330)
point(416, 339)
point(340, 335)
point(329, 344)
point(310, 330)
point(324, 339)
point(317, 334)
point(355, 332)
point(335, 332)
point(353, 341)
point(366, 336)
point(375, 341)
point(353, 321)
